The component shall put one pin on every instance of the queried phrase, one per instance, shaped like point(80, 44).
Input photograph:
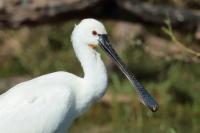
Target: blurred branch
point(169, 31)
point(148, 12)
point(14, 13)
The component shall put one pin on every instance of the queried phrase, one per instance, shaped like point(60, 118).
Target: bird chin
point(93, 46)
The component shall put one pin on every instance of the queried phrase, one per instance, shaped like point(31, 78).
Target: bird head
point(92, 33)
point(89, 32)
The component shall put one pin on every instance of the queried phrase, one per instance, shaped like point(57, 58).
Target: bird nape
point(51, 102)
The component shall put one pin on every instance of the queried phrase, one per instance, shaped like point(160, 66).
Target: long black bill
point(144, 96)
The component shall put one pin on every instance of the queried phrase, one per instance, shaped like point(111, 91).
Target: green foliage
point(168, 30)
point(175, 84)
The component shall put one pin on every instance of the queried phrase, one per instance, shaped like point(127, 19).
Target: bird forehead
point(91, 25)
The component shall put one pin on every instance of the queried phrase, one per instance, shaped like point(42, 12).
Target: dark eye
point(94, 32)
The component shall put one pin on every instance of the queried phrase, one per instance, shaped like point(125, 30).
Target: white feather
point(50, 103)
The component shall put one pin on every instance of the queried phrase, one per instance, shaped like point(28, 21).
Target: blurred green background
point(169, 73)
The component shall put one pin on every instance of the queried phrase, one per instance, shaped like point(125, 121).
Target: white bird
point(50, 103)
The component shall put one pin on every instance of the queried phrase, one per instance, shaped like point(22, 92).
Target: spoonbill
point(51, 102)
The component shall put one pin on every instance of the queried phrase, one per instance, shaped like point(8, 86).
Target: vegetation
point(174, 83)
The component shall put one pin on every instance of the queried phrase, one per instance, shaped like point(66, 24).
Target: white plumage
point(49, 103)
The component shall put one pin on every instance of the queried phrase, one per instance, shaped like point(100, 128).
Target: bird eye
point(94, 32)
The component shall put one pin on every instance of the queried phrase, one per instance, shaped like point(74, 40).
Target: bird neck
point(95, 76)
point(92, 64)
